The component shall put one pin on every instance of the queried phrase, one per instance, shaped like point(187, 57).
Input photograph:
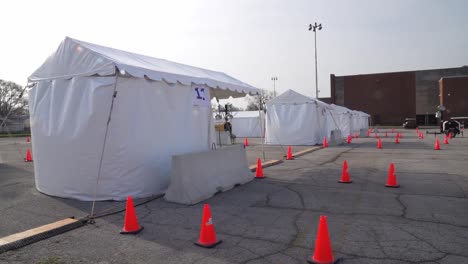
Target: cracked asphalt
point(272, 220)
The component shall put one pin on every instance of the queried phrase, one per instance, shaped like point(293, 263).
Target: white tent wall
point(355, 123)
point(350, 121)
point(247, 124)
point(328, 123)
point(288, 124)
point(68, 121)
point(343, 117)
point(151, 121)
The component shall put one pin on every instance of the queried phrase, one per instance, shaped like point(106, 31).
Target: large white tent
point(295, 119)
point(105, 122)
point(247, 123)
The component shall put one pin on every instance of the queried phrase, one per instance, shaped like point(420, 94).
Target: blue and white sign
point(201, 96)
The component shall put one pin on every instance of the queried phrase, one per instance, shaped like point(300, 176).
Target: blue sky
point(251, 40)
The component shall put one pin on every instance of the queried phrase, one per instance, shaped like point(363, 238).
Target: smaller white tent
point(343, 117)
point(247, 123)
point(363, 122)
point(295, 119)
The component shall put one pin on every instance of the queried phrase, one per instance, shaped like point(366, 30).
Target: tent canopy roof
point(295, 98)
point(341, 109)
point(360, 113)
point(78, 58)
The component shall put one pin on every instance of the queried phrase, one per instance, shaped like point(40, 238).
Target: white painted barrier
point(198, 176)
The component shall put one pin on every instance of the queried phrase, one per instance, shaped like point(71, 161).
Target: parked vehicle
point(409, 123)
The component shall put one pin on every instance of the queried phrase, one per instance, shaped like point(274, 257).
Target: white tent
point(101, 115)
point(295, 119)
point(247, 123)
point(343, 117)
point(363, 122)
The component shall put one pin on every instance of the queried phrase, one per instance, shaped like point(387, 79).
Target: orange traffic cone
point(437, 144)
point(391, 178)
point(28, 156)
point(446, 140)
point(356, 135)
point(422, 135)
point(397, 140)
point(400, 135)
point(259, 171)
point(325, 143)
point(323, 252)
point(349, 139)
point(28, 139)
point(379, 144)
point(289, 156)
point(345, 174)
point(207, 232)
point(386, 135)
point(450, 135)
point(246, 142)
point(131, 225)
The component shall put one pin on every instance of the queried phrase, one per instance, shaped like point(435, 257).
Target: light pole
point(314, 27)
point(274, 79)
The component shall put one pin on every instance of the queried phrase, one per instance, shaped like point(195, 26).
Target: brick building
point(454, 96)
point(391, 97)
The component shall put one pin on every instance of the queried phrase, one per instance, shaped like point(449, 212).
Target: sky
point(251, 40)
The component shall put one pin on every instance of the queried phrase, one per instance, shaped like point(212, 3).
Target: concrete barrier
point(198, 176)
point(335, 138)
point(363, 133)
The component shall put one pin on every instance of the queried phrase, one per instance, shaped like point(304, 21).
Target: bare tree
point(258, 102)
point(12, 100)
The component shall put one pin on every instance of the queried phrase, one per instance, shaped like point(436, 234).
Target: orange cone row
point(391, 178)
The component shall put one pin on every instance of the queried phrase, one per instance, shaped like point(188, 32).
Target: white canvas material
point(343, 116)
point(153, 118)
point(295, 119)
point(78, 58)
point(248, 123)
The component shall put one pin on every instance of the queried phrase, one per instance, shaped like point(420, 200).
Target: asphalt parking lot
point(272, 220)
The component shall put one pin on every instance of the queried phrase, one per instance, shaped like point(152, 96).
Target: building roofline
point(376, 73)
point(454, 77)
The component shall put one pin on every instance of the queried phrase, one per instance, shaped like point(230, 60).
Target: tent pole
point(114, 94)
point(262, 125)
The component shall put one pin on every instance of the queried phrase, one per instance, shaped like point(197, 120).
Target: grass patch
point(51, 260)
point(5, 135)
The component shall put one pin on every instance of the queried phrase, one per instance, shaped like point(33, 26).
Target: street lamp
point(314, 27)
point(274, 79)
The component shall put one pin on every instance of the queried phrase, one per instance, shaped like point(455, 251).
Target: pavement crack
point(404, 210)
point(337, 156)
point(301, 198)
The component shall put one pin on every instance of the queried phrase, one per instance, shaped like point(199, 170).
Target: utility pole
point(274, 79)
point(314, 28)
